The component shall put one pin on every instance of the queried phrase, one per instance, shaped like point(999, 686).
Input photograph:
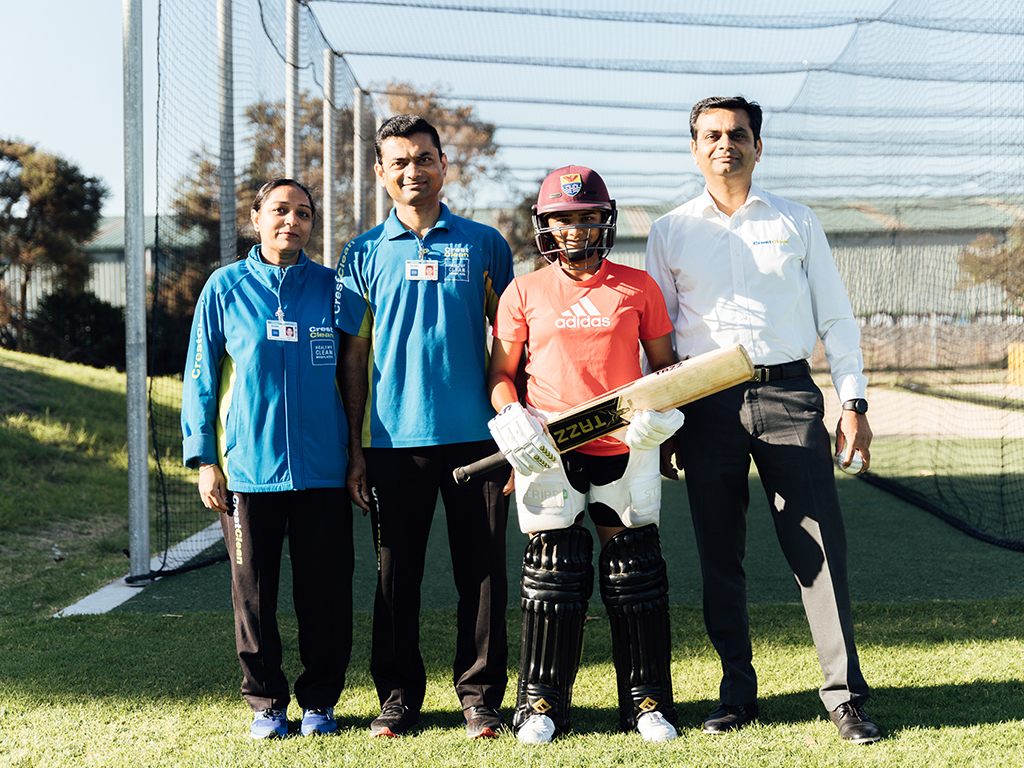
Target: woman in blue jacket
point(262, 420)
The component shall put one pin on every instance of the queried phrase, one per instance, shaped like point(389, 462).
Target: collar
point(393, 228)
point(265, 271)
point(706, 203)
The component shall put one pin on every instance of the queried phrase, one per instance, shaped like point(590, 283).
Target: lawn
point(939, 622)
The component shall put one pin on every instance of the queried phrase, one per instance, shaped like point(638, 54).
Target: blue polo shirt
point(424, 304)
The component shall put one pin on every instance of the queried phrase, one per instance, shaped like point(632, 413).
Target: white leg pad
point(636, 496)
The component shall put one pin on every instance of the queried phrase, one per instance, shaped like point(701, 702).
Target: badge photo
point(279, 330)
point(421, 269)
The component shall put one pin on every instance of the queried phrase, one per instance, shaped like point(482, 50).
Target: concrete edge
point(118, 592)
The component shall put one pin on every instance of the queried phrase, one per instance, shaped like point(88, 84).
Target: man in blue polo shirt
point(414, 297)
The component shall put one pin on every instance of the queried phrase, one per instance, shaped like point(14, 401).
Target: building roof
point(864, 216)
point(109, 237)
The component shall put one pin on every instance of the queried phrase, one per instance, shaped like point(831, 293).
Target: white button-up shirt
point(763, 277)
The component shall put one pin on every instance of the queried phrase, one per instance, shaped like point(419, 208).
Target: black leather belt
point(763, 373)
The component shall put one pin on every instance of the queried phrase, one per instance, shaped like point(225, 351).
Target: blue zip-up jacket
point(265, 407)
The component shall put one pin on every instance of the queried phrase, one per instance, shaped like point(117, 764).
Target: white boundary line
point(118, 592)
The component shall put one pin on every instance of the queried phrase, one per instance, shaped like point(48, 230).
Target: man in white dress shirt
point(740, 265)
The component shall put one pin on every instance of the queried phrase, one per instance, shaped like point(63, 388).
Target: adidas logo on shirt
point(582, 314)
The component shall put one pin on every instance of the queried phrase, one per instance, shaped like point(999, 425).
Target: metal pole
point(358, 152)
point(382, 199)
point(329, 131)
point(226, 171)
point(291, 91)
point(135, 295)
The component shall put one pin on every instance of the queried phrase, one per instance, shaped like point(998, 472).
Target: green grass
point(63, 481)
point(152, 690)
point(938, 615)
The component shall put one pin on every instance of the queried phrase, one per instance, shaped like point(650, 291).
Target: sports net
point(898, 121)
point(187, 248)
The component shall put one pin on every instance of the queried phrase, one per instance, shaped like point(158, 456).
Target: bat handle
point(464, 474)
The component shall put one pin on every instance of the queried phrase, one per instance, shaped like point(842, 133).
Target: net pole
point(226, 171)
point(291, 92)
point(357, 160)
point(380, 198)
point(135, 296)
point(329, 180)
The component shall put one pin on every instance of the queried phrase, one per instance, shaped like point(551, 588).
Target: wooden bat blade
point(670, 387)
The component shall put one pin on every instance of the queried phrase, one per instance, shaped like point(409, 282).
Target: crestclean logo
point(582, 314)
point(771, 242)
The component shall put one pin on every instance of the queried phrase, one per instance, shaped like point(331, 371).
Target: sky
point(64, 93)
point(66, 97)
point(69, 101)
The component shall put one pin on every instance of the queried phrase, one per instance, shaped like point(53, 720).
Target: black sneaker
point(482, 722)
point(394, 720)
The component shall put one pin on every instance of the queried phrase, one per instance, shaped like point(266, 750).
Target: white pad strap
point(521, 438)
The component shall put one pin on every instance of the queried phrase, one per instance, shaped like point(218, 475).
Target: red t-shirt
point(582, 336)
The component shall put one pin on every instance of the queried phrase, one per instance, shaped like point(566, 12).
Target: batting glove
point(649, 429)
point(521, 437)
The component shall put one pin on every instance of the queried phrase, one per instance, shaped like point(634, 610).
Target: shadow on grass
point(932, 666)
point(960, 705)
point(898, 553)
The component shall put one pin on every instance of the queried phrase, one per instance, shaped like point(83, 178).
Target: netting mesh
point(187, 249)
point(898, 121)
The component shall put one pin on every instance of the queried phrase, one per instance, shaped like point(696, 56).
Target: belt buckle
point(760, 375)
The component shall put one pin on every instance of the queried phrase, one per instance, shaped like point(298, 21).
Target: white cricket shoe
point(538, 729)
point(654, 727)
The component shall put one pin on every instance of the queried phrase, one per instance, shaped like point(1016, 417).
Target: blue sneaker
point(318, 721)
point(270, 724)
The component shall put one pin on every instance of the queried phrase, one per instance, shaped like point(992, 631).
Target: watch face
point(859, 405)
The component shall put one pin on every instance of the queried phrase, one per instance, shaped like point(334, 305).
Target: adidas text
point(582, 322)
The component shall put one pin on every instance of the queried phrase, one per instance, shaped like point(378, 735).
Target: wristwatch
point(859, 404)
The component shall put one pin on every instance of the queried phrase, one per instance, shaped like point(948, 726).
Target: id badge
point(422, 269)
point(279, 330)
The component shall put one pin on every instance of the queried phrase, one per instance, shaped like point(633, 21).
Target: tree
point(197, 198)
point(989, 260)
point(516, 225)
point(181, 273)
point(468, 142)
point(267, 120)
point(48, 208)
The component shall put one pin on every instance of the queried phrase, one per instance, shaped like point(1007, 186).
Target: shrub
point(78, 327)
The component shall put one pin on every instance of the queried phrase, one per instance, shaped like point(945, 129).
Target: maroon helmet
point(574, 188)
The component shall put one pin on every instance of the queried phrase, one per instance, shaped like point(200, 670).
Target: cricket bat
point(611, 412)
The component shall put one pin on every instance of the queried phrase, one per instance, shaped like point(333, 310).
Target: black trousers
point(405, 483)
point(318, 523)
point(781, 426)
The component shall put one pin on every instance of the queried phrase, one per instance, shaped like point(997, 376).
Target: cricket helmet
point(574, 188)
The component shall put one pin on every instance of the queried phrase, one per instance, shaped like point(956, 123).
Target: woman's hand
point(213, 488)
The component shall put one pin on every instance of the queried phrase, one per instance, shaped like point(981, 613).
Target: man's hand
point(853, 434)
point(669, 452)
point(510, 485)
point(521, 438)
point(649, 429)
point(358, 487)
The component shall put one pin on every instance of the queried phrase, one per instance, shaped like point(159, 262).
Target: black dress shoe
point(730, 717)
point(854, 725)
